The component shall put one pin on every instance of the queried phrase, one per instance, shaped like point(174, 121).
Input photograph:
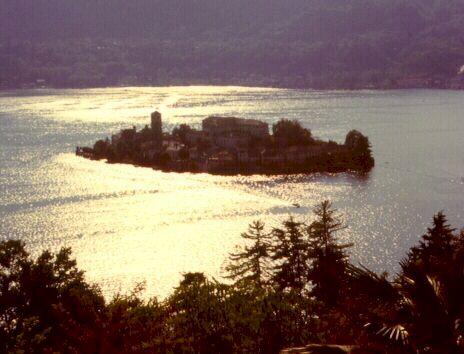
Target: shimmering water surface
point(128, 224)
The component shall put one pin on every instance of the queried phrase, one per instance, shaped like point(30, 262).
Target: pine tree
point(438, 241)
point(290, 254)
point(329, 261)
point(250, 265)
point(434, 254)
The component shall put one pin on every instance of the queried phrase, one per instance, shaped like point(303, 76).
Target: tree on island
point(361, 153)
point(290, 133)
point(101, 148)
point(180, 132)
point(146, 134)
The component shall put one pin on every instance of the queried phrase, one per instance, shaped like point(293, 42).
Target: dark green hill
point(294, 43)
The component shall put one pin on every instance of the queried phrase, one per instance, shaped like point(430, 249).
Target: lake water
point(127, 224)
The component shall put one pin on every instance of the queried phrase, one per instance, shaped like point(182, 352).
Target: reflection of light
point(128, 224)
point(137, 223)
point(130, 105)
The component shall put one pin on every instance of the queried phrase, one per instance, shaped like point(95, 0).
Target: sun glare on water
point(128, 224)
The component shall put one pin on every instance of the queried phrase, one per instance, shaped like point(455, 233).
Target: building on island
point(232, 141)
point(234, 133)
point(222, 160)
point(217, 126)
point(195, 137)
point(223, 143)
point(173, 148)
point(227, 145)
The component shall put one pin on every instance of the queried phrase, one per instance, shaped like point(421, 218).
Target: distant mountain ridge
point(290, 43)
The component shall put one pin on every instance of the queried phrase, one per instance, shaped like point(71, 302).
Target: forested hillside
point(296, 43)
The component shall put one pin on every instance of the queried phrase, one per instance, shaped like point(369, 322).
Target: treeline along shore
point(230, 145)
point(289, 285)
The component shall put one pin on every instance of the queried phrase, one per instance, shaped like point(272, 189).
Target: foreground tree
point(329, 260)
point(290, 254)
point(422, 310)
point(45, 304)
point(435, 251)
point(250, 265)
point(135, 325)
point(411, 315)
point(198, 317)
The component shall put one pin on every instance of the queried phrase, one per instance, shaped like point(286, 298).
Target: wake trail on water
point(168, 103)
point(62, 201)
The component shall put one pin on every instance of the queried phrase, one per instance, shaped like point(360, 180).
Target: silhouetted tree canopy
point(361, 150)
point(328, 271)
point(180, 132)
point(314, 295)
point(290, 132)
point(250, 264)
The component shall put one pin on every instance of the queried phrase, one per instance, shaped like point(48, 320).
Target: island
point(231, 145)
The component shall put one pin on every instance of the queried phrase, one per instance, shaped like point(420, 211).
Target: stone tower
point(157, 129)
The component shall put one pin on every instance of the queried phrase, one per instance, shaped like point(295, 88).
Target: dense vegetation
point(301, 43)
point(291, 284)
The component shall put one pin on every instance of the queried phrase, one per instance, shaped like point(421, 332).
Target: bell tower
point(157, 129)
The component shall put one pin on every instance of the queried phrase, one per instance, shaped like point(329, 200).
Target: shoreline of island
point(232, 146)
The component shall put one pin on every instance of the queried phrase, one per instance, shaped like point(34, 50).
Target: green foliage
point(135, 326)
point(313, 295)
point(290, 256)
point(290, 132)
point(329, 260)
point(422, 310)
point(101, 148)
point(250, 266)
point(181, 131)
point(146, 134)
point(198, 316)
point(184, 154)
point(46, 304)
point(435, 248)
point(361, 153)
point(209, 317)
